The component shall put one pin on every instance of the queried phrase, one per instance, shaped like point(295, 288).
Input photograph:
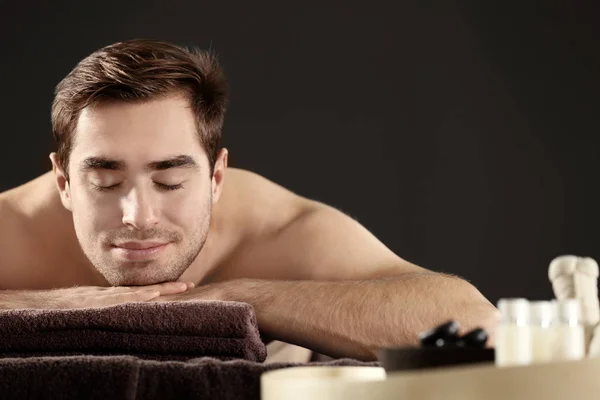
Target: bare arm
point(356, 318)
point(353, 295)
point(10, 299)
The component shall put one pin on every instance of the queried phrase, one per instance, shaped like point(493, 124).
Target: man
point(141, 206)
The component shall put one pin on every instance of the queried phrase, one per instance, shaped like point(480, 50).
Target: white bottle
point(569, 333)
point(542, 320)
point(513, 338)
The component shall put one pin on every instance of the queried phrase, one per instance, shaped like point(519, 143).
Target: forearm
point(12, 299)
point(355, 318)
point(47, 298)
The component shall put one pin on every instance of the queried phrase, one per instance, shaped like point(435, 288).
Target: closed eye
point(161, 186)
point(106, 188)
point(169, 187)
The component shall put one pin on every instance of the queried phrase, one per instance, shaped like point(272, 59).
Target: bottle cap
point(568, 309)
point(542, 311)
point(514, 309)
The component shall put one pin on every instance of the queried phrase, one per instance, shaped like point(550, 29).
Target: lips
point(139, 251)
point(139, 245)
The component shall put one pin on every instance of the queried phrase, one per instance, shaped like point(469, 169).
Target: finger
point(163, 288)
point(170, 287)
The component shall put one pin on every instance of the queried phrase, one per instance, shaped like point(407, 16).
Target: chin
point(136, 276)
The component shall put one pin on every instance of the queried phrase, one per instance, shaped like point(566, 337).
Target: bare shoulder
point(252, 209)
point(284, 235)
point(288, 236)
point(257, 204)
point(13, 244)
point(37, 239)
point(11, 221)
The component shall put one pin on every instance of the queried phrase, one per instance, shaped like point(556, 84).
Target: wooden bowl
point(412, 358)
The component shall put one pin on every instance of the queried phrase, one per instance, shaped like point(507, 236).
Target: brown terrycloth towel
point(129, 378)
point(150, 330)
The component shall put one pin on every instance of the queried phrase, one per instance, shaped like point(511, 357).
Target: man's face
point(140, 190)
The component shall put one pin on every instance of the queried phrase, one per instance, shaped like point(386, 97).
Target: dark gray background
point(464, 135)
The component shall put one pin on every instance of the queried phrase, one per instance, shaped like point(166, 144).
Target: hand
point(213, 291)
point(95, 296)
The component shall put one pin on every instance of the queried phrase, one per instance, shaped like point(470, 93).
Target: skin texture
point(316, 277)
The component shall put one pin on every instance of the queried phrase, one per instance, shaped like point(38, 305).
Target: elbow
point(477, 312)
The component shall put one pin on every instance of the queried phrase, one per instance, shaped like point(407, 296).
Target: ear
point(62, 183)
point(218, 177)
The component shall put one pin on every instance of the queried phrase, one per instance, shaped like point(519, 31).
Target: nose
point(138, 210)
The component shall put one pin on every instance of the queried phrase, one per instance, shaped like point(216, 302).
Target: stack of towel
point(149, 350)
point(131, 378)
point(149, 330)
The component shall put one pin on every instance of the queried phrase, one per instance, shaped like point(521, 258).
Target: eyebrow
point(181, 161)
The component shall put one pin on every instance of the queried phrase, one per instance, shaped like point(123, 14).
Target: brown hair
point(140, 70)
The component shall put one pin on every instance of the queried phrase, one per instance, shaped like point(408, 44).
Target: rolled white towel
point(575, 277)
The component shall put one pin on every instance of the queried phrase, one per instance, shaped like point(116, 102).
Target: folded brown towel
point(129, 378)
point(150, 330)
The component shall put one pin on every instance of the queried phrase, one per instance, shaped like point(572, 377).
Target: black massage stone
point(440, 335)
point(440, 347)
